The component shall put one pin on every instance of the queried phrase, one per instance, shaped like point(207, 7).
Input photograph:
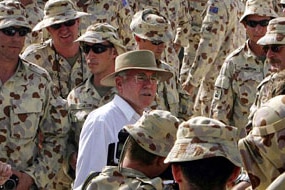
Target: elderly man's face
point(64, 34)
point(138, 88)
point(275, 56)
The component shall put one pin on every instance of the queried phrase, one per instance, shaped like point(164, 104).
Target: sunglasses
point(67, 23)
point(253, 23)
point(273, 48)
point(156, 42)
point(96, 48)
point(11, 31)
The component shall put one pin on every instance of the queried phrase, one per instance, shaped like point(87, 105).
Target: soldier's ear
point(176, 172)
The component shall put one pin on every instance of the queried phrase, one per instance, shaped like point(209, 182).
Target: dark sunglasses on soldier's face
point(11, 31)
point(96, 48)
point(273, 48)
point(156, 42)
point(253, 23)
point(67, 23)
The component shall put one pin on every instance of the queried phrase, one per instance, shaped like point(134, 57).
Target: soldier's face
point(256, 26)
point(276, 56)
point(64, 34)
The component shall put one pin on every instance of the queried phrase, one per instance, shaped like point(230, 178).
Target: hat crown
point(58, 7)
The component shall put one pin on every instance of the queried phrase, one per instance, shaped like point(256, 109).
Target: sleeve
point(53, 127)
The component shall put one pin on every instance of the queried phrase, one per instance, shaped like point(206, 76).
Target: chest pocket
point(79, 112)
point(25, 117)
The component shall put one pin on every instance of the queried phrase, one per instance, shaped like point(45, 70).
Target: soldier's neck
point(67, 51)
point(256, 49)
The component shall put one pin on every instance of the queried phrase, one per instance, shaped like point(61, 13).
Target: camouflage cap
point(202, 137)
point(155, 131)
point(12, 13)
point(259, 7)
point(139, 60)
point(58, 11)
point(275, 33)
point(151, 25)
point(270, 117)
point(101, 32)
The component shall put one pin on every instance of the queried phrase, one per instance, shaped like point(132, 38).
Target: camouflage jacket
point(65, 76)
point(235, 87)
point(28, 108)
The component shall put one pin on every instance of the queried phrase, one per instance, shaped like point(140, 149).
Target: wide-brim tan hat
point(155, 131)
point(275, 33)
point(102, 32)
point(202, 137)
point(58, 11)
point(139, 60)
point(13, 13)
point(260, 8)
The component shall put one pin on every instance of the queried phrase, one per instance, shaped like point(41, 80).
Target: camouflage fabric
point(178, 13)
point(220, 34)
point(113, 178)
point(275, 32)
point(101, 32)
point(202, 137)
point(58, 11)
point(29, 108)
point(115, 12)
point(149, 24)
point(65, 76)
point(155, 131)
point(235, 87)
point(263, 150)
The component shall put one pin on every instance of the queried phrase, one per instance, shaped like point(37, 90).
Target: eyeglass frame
point(67, 23)
point(276, 48)
point(22, 31)
point(86, 48)
point(254, 23)
point(141, 80)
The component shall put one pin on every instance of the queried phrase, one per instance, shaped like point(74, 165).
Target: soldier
point(136, 76)
point(29, 108)
point(60, 56)
point(243, 70)
point(101, 46)
point(152, 31)
point(273, 42)
point(220, 35)
point(262, 150)
point(177, 12)
point(205, 155)
point(150, 140)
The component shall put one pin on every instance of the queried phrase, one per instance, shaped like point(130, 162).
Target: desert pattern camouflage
point(115, 12)
point(235, 87)
point(29, 106)
point(202, 137)
point(263, 149)
point(221, 33)
point(65, 76)
point(113, 178)
point(178, 13)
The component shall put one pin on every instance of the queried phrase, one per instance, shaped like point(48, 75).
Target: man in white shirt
point(135, 77)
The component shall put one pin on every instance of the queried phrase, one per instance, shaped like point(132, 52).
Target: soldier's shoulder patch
point(218, 93)
point(213, 9)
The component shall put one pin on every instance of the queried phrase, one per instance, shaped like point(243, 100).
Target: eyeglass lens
point(11, 31)
point(273, 48)
point(140, 78)
point(253, 23)
point(67, 23)
point(156, 42)
point(96, 48)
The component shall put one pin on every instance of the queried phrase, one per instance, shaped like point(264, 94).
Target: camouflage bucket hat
point(270, 117)
point(275, 32)
point(58, 11)
point(155, 131)
point(202, 137)
point(137, 59)
point(12, 13)
point(101, 32)
point(151, 25)
point(259, 7)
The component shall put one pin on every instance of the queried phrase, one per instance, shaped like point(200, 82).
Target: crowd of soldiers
point(170, 74)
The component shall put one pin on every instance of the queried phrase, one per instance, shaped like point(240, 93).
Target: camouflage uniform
point(29, 107)
point(155, 132)
point(220, 34)
point(178, 13)
point(263, 150)
point(65, 76)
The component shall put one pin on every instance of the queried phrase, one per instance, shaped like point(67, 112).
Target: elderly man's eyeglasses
point(11, 31)
point(67, 24)
point(253, 23)
point(141, 78)
point(96, 48)
point(273, 48)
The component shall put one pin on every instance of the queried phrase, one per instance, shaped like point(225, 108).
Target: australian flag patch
point(213, 9)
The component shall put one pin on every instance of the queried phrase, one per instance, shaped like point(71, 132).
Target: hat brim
point(13, 22)
point(109, 80)
point(269, 39)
